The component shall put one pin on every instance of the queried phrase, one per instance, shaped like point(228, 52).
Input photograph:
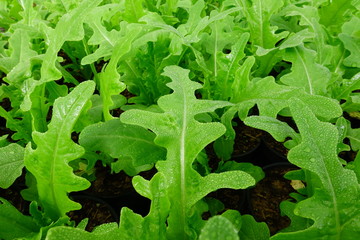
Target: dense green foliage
point(180, 72)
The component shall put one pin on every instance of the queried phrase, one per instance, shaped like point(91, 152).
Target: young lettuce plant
point(327, 207)
point(184, 138)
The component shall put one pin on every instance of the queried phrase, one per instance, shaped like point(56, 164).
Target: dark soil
point(95, 209)
point(247, 139)
point(231, 198)
point(247, 142)
point(118, 191)
point(353, 118)
point(265, 198)
point(276, 147)
point(13, 196)
point(109, 185)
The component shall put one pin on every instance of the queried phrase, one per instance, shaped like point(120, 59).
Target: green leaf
point(357, 167)
point(122, 141)
point(296, 39)
point(160, 205)
point(69, 28)
point(105, 231)
point(133, 10)
point(11, 164)
point(256, 172)
point(346, 89)
point(130, 224)
point(252, 230)
point(309, 18)
point(305, 72)
point(337, 12)
point(242, 79)
point(217, 228)
point(274, 99)
point(223, 66)
point(297, 223)
point(96, 111)
point(258, 14)
point(18, 63)
point(106, 40)
point(110, 78)
point(270, 103)
point(184, 138)
point(13, 224)
point(55, 149)
point(335, 209)
point(279, 130)
point(354, 136)
point(133, 226)
point(351, 39)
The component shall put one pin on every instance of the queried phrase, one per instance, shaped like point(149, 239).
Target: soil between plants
point(96, 210)
point(246, 139)
point(264, 199)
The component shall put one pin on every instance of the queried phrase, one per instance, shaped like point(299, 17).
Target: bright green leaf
point(54, 150)
point(13, 224)
point(11, 164)
point(121, 141)
point(217, 228)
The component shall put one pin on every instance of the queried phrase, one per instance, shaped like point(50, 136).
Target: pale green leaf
point(69, 28)
point(271, 98)
point(105, 231)
point(305, 72)
point(219, 228)
point(297, 39)
point(337, 12)
point(110, 83)
point(11, 164)
point(350, 37)
point(101, 36)
point(258, 14)
point(18, 63)
point(333, 207)
point(130, 225)
point(133, 10)
point(309, 18)
point(354, 137)
point(54, 150)
point(279, 130)
point(121, 141)
point(252, 230)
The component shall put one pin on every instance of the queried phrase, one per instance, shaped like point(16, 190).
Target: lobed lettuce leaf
point(48, 162)
point(333, 191)
point(184, 138)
